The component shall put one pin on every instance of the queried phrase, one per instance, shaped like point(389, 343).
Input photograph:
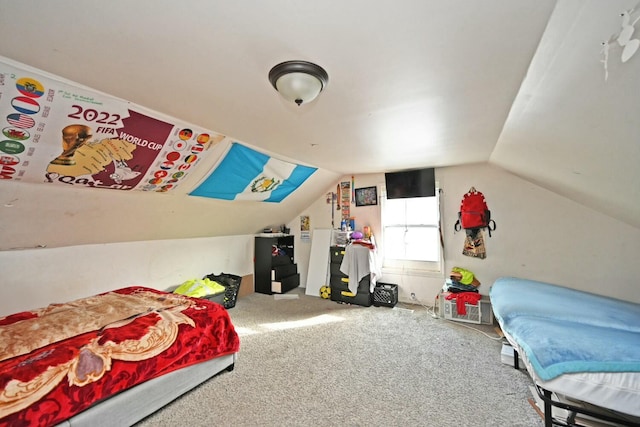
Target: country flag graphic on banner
point(245, 174)
point(21, 121)
point(25, 105)
point(30, 87)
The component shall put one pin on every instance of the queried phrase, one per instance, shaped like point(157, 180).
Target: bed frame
point(580, 349)
point(573, 410)
point(134, 404)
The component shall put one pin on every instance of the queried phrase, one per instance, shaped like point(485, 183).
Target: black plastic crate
point(334, 270)
point(336, 254)
point(385, 294)
point(341, 284)
point(231, 283)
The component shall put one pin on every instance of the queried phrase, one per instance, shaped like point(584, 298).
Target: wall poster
point(60, 133)
point(305, 227)
point(366, 196)
point(345, 199)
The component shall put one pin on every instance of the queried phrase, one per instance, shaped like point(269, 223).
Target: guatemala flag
point(245, 174)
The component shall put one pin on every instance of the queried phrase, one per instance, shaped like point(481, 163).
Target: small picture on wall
point(366, 196)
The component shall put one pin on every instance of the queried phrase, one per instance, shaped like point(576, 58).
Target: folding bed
point(582, 350)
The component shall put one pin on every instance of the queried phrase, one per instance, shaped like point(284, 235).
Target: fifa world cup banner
point(57, 132)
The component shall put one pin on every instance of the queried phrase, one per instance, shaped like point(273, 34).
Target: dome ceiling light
point(298, 81)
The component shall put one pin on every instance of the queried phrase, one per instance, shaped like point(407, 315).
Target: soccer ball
point(325, 292)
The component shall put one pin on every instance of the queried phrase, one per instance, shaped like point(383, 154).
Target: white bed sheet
point(617, 391)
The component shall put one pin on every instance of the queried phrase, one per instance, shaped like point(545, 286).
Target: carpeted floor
point(306, 361)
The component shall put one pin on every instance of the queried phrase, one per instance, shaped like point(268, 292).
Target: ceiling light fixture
point(298, 81)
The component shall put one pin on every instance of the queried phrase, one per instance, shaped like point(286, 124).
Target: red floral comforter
point(57, 361)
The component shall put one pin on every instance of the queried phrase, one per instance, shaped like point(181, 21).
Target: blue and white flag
point(245, 174)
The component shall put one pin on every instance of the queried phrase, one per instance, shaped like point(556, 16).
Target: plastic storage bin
point(385, 294)
point(231, 282)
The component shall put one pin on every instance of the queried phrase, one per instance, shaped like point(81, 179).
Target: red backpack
point(474, 213)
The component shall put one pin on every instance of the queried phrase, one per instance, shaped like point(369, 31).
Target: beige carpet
point(313, 362)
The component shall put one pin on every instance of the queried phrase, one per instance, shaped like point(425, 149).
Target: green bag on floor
point(199, 288)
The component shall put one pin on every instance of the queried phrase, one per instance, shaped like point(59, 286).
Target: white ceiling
point(412, 83)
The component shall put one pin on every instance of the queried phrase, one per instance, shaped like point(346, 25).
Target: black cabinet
point(274, 268)
point(340, 282)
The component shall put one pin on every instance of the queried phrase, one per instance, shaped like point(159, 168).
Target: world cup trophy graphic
point(73, 137)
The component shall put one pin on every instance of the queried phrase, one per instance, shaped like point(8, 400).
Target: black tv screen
point(410, 183)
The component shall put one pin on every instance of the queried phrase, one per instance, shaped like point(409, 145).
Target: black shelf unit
point(280, 268)
point(340, 282)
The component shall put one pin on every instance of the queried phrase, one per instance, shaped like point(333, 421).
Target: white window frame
point(408, 267)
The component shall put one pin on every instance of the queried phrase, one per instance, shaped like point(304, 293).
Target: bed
point(109, 359)
point(582, 350)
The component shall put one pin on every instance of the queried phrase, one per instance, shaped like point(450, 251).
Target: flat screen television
point(410, 183)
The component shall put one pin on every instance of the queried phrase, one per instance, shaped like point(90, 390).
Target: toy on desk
point(357, 235)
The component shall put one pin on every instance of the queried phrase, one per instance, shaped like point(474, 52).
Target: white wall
point(540, 235)
point(58, 215)
point(33, 278)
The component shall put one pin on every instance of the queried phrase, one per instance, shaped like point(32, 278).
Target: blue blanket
point(562, 330)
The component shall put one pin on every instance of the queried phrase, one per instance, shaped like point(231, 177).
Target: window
point(411, 234)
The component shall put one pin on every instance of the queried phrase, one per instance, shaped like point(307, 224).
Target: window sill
point(413, 272)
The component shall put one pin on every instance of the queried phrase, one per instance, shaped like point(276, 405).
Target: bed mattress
point(617, 391)
point(60, 360)
point(581, 345)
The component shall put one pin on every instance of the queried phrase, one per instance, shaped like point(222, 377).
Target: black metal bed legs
point(548, 415)
point(573, 410)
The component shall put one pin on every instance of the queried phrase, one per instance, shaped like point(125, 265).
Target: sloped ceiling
point(574, 127)
point(411, 83)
